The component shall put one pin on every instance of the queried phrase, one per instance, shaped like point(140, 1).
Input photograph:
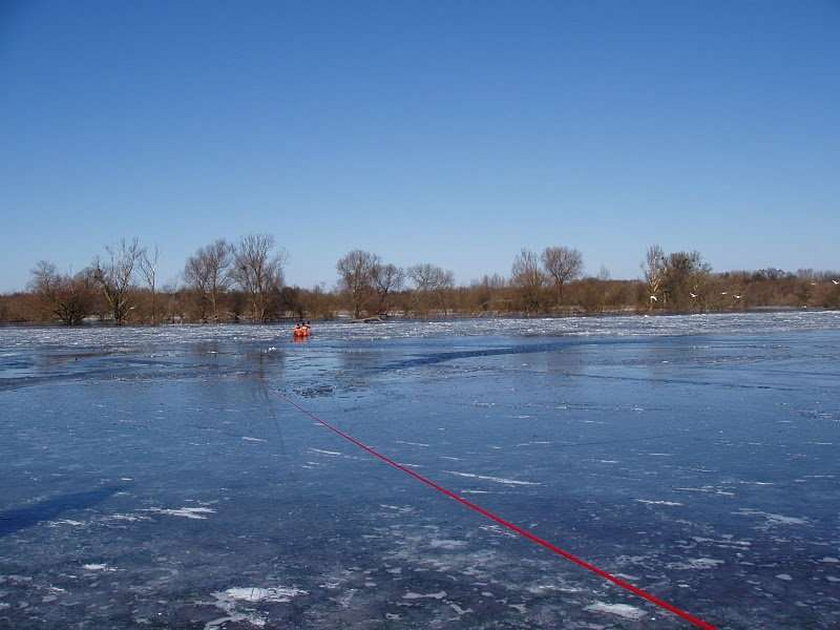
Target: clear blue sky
point(453, 132)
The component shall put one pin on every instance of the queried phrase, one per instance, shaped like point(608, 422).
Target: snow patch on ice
point(98, 567)
point(497, 529)
point(279, 594)
point(397, 508)
point(447, 544)
point(412, 595)
point(652, 502)
point(197, 513)
point(323, 452)
point(458, 610)
point(66, 521)
point(507, 482)
point(771, 519)
point(230, 599)
point(696, 563)
point(708, 490)
point(619, 610)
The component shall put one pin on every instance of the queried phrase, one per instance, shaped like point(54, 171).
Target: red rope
point(507, 524)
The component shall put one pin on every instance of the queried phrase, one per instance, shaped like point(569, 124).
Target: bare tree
point(115, 276)
point(488, 293)
point(431, 283)
point(69, 298)
point(195, 277)
point(527, 276)
point(386, 279)
point(654, 270)
point(684, 280)
point(562, 264)
point(206, 273)
point(355, 270)
point(258, 271)
point(148, 268)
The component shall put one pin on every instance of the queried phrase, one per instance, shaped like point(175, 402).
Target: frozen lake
point(154, 478)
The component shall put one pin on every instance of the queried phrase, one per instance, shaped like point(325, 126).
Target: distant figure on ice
point(301, 330)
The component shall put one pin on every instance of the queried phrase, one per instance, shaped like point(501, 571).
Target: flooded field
point(162, 478)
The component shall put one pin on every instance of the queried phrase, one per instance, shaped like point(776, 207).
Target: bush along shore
point(244, 283)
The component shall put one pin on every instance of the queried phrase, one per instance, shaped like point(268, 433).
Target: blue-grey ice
point(157, 478)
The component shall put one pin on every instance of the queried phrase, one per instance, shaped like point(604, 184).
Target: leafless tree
point(386, 280)
point(69, 298)
point(258, 271)
point(115, 276)
point(654, 270)
point(562, 264)
point(431, 285)
point(355, 271)
point(527, 276)
point(206, 273)
point(488, 293)
point(684, 280)
point(148, 269)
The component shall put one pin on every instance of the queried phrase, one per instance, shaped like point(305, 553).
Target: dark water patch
point(315, 391)
point(16, 519)
point(681, 381)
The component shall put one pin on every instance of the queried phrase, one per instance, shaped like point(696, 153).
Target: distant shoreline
point(290, 321)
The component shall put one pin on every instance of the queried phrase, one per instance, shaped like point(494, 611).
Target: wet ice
point(151, 476)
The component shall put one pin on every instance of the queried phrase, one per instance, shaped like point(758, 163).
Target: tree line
point(243, 281)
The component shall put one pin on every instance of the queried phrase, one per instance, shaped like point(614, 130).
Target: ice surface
point(157, 478)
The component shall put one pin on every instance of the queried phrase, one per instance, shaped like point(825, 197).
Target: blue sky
point(454, 133)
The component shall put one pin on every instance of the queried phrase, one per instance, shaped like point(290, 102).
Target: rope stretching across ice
point(696, 621)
